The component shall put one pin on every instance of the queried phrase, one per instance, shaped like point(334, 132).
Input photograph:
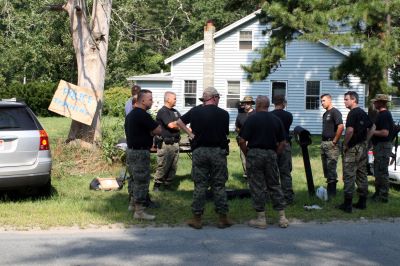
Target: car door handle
point(8, 138)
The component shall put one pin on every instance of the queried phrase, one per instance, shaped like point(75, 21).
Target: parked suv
point(25, 158)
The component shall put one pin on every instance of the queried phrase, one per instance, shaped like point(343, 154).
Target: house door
point(278, 88)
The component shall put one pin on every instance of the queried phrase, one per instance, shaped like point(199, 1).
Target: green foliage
point(35, 43)
point(372, 25)
point(112, 133)
point(37, 95)
point(114, 101)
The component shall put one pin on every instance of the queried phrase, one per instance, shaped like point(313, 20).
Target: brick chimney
point(209, 55)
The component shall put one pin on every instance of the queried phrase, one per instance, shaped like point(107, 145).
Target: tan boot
point(195, 222)
point(259, 222)
point(224, 221)
point(131, 206)
point(283, 222)
point(141, 214)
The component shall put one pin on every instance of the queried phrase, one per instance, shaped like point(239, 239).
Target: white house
point(303, 76)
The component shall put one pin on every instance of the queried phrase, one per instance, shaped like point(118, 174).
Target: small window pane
point(278, 88)
point(245, 40)
point(233, 95)
point(190, 92)
point(312, 95)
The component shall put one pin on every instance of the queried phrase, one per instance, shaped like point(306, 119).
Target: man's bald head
point(262, 103)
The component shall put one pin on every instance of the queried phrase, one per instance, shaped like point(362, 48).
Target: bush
point(114, 101)
point(112, 131)
point(37, 95)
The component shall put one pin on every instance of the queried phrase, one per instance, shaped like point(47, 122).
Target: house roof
point(233, 26)
point(166, 76)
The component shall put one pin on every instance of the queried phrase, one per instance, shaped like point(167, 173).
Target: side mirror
point(302, 136)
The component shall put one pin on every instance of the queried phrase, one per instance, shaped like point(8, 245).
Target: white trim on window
point(190, 87)
point(233, 99)
point(245, 40)
point(312, 97)
point(271, 89)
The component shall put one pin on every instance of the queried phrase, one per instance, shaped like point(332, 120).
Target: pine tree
point(372, 25)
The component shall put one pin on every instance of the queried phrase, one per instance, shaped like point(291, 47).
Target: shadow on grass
point(27, 194)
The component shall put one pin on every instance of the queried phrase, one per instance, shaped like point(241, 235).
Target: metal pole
point(307, 167)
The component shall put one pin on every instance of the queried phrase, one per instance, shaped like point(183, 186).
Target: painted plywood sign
point(75, 102)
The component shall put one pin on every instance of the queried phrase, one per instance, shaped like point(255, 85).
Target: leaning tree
point(90, 34)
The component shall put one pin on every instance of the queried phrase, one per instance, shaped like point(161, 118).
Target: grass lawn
point(73, 204)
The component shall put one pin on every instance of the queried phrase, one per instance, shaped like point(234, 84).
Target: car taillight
point(44, 141)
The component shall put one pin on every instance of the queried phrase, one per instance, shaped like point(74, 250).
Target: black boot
point(331, 190)
point(346, 205)
point(361, 204)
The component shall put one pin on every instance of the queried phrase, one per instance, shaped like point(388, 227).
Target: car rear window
point(16, 118)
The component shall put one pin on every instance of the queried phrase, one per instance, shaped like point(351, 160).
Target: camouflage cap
point(248, 99)
point(208, 93)
point(381, 98)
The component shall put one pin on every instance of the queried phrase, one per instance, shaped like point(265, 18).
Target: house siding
point(304, 61)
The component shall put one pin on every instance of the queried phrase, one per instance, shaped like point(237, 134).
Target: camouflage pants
point(329, 157)
point(139, 169)
point(209, 167)
point(285, 173)
point(382, 153)
point(263, 177)
point(355, 170)
point(167, 160)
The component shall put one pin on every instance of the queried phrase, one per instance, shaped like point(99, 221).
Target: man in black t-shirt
point(261, 138)
point(355, 153)
point(332, 129)
point(168, 144)
point(382, 147)
point(241, 118)
point(210, 128)
point(139, 130)
point(285, 158)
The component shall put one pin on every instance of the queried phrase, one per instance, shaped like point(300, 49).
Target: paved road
point(337, 243)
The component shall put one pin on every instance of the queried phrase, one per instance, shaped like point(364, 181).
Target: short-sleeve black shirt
point(330, 121)
point(384, 120)
point(210, 125)
point(138, 125)
point(165, 116)
point(242, 117)
point(263, 130)
point(286, 118)
point(359, 121)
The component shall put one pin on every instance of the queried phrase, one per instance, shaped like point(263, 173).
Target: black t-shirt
point(210, 125)
point(166, 116)
point(242, 117)
point(384, 120)
point(138, 125)
point(263, 130)
point(359, 121)
point(330, 121)
point(286, 118)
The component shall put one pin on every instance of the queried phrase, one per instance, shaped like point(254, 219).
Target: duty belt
point(171, 140)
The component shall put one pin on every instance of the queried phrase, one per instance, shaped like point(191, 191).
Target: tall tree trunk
point(90, 41)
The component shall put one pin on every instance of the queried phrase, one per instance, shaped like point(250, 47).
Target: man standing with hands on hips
point(261, 139)
point(168, 144)
point(332, 128)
